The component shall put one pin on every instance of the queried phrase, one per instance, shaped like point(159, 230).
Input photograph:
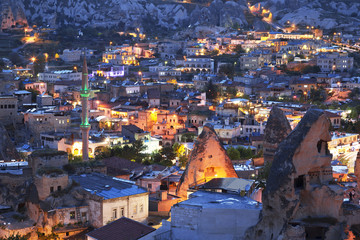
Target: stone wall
point(47, 158)
point(47, 184)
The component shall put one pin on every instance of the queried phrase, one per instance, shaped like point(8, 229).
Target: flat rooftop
point(106, 186)
point(342, 135)
point(205, 199)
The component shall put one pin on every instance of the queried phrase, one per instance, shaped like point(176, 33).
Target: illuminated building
point(39, 86)
point(334, 61)
point(62, 75)
point(109, 70)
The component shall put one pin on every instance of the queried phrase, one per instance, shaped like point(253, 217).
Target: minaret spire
point(85, 126)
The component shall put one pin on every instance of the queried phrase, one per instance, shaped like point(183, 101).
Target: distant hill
point(150, 14)
point(326, 14)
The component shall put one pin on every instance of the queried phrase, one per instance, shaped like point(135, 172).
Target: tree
point(318, 95)
point(130, 152)
point(354, 93)
point(179, 150)
point(231, 92)
point(310, 69)
point(39, 65)
point(211, 90)
point(188, 137)
point(34, 93)
point(214, 52)
point(233, 153)
point(2, 64)
point(264, 172)
point(227, 69)
point(245, 153)
point(168, 155)
point(238, 49)
point(164, 156)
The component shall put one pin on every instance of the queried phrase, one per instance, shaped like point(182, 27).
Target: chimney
point(162, 195)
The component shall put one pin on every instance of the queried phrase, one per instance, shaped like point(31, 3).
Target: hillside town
point(208, 133)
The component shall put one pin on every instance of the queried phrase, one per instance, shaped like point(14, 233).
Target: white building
point(54, 76)
point(199, 63)
point(113, 198)
point(212, 216)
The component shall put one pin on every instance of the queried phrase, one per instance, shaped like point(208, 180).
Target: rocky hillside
point(132, 13)
point(324, 13)
point(173, 14)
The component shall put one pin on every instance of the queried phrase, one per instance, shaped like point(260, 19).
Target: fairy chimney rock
point(207, 160)
point(299, 184)
point(357, 169)
point(276, 130)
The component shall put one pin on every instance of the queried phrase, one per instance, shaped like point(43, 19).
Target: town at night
point(179, 120)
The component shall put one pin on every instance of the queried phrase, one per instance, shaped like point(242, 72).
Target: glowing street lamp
point(33, 59)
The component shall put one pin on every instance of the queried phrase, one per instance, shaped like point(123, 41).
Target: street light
point(33, 59)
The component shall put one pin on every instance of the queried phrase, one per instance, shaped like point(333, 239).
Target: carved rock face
point(298, 187)
point(208, 160)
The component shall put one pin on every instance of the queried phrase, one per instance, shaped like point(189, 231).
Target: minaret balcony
point(85, 92)
point(85, 125)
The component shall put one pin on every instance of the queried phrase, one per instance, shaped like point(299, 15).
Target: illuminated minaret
point(85, 126)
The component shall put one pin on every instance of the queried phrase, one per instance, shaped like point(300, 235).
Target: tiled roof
point(121, 229)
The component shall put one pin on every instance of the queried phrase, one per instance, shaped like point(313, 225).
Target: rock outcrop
point(207, 160)
point(299, 199)
point(7, 147)
point(357, 169)
point(276, 130)
point(325, 14)
point(11, 14)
